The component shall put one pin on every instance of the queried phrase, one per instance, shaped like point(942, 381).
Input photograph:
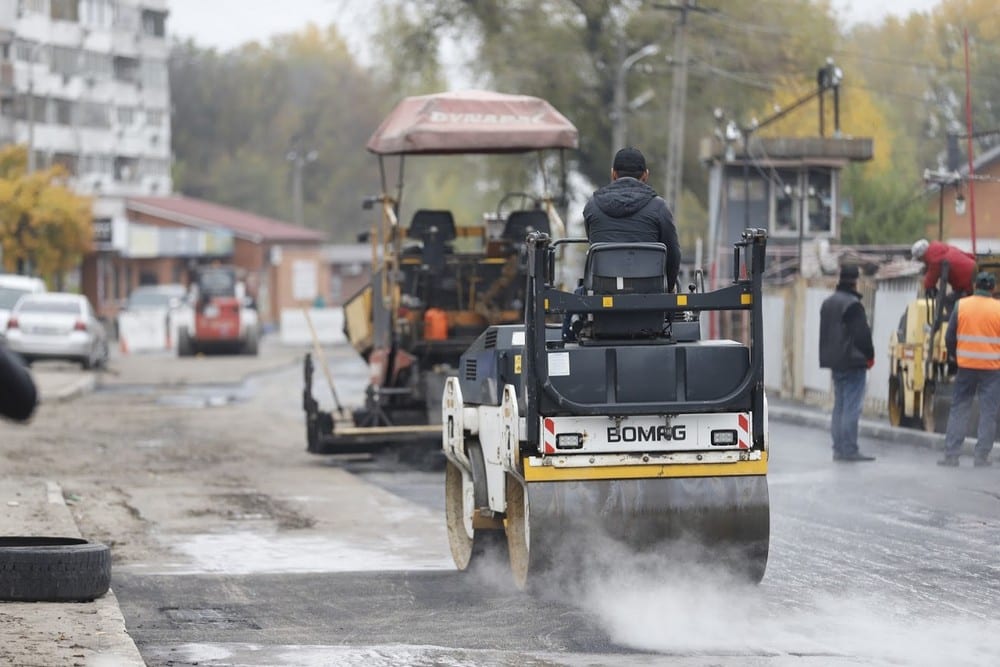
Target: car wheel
point(53, 569)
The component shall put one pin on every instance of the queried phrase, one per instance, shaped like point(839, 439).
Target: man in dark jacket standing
point(845, 347)
point(628, 210)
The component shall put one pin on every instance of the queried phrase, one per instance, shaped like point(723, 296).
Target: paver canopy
point(473, 121)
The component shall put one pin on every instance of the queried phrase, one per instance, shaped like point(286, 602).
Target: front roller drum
point(728, 518)
point(468, 543)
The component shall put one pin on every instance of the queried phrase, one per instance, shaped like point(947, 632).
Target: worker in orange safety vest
point(973, 341)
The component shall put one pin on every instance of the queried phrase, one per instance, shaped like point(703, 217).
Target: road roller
point(608, 412)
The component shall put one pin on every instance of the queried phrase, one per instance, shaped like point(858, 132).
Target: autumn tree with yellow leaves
point(43, 223)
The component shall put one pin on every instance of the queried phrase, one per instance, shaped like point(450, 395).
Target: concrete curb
point(76, 388)
point(50, 633)
point(114, 645)
point(804, 415)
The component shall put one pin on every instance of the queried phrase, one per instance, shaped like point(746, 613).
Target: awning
point(473, 121)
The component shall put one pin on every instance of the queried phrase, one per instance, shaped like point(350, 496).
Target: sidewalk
point(791, 412)
point(51, 633)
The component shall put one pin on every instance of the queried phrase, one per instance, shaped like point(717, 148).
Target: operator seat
point(435, 229)
point(626, 268)
point(520, 223)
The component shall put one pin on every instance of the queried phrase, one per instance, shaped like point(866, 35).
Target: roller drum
point(727, 517)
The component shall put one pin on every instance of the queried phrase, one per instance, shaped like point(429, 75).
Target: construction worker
point(973, 341)
point(845, 347)
point(961, 266)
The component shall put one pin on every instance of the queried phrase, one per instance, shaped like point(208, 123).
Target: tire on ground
point(53, 569)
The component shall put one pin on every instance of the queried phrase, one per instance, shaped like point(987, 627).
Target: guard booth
point(789, 186)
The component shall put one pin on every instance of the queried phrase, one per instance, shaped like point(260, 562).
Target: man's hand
point(870, 363)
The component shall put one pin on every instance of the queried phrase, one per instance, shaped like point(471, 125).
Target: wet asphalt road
point(895, 562)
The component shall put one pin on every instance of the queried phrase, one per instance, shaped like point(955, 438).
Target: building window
point(126, 69)
point(154, 23)
point(97, 65)
point(96, 164)
point(34, 7)
point(63, 112)
point(126, 116)
point(94, 114)
point(819, 203)
point(154, 117)
point(98, 13)
point(30, 52)
point(65, 10)
point(154, 74)
point(787, 201)
point(65, 60)
point(126, 169)
point(67, 161)
point(155, 167)
point(127, 18)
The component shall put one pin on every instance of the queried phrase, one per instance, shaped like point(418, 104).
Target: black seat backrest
point(435, 229)
point(520, 223)
point(626, 268)
point(425, 220)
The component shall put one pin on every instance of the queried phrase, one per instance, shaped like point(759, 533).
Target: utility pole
point(619, 115)
point(299, 159)
point(678, 105)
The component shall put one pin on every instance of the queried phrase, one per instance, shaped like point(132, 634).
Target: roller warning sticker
point(549, 437)
point(744, 432)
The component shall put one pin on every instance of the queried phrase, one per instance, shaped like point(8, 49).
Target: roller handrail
point(543, 300)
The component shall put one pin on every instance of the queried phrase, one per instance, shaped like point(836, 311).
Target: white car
point(12, 288)
point(57, 325)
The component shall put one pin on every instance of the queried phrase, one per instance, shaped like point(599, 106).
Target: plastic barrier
point(143, 331)
point(328, 322)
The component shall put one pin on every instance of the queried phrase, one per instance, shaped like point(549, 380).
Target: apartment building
point(84, 84)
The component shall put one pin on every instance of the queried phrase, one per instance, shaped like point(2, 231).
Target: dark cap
point(629, 161)
point(849, 273)
point(986, 281)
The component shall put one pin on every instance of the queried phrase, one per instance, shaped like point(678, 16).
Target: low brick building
point(150, 240)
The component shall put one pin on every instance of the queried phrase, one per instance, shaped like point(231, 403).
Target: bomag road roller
point(920, 372)
point(638, 426)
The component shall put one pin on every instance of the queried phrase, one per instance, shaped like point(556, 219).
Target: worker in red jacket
point(961, 266)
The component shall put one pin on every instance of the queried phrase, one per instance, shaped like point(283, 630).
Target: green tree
point(570, 51)
point(239, 114)
point(43, 223)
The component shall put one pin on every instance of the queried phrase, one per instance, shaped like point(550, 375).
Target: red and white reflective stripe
point(549, 437)
point(744, 434)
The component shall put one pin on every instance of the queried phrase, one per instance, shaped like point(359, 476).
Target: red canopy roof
point(473, 121)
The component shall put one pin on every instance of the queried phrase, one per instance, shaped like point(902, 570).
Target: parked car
point(12, 288)
point(57, 325)
point(153, 301)
point(154, 297)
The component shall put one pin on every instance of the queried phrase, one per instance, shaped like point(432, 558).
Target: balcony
point(8, 90)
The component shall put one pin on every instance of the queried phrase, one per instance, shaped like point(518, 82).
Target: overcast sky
point(224, 24)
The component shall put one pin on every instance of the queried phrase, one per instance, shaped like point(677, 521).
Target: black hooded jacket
point(629, 211)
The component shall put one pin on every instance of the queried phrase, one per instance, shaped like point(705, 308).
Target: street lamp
point(618, 114)
point(299, 159)
point(32, 59)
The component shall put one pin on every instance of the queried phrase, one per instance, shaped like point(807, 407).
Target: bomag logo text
point(646, 433)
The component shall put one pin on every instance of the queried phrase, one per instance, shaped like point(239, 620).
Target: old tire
point(53, 569)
